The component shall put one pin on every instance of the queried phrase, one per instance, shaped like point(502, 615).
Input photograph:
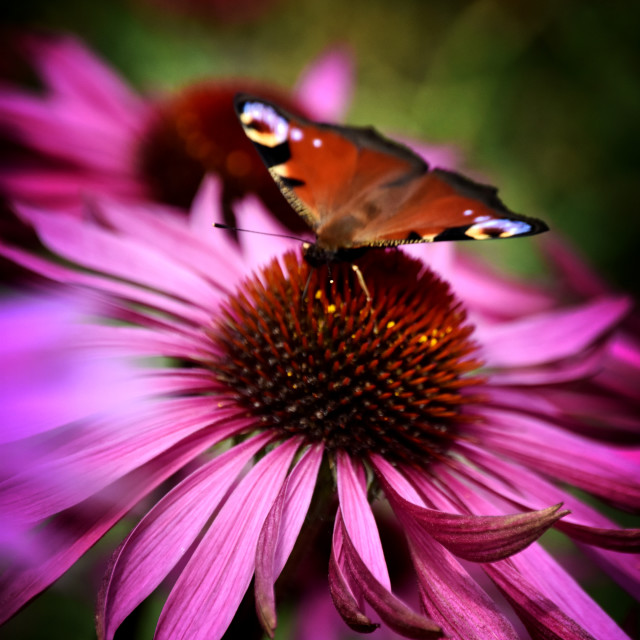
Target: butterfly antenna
point(219, 225)
point(306, 284)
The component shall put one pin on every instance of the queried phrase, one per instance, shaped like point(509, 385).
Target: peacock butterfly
point(356, 189)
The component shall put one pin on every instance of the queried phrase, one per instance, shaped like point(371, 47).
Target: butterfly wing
point(442, 205)
point(356, 188)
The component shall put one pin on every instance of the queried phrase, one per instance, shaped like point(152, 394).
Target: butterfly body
point(356, 189)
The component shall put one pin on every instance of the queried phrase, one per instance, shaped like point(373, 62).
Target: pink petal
point(120, 256)
point(490, 294)
point(392, 610)
point(256, 249)
point(542, 574)
point(162, 537)
point(68, 132)
point(591, 466)
point(141, 341)
point(280, 532)
point(170, 235)
point(496, 475)
point(206, 595)
point(346, 596)
point(474, 538)
point(167, 381)
point(434, 155)
point(324, 89)
point(624, 540)
point(581, 366)
point(439, 256)
point(541, 616)
point(205, 211)
point(548, 600)
point(58, 273)
point(18, 586)
point(358, 518)
point(47, 380)
point(104, 450)
point(590, 411)
point(550, 336)
point(72, 70)
point(450, 596)
point(61, 189)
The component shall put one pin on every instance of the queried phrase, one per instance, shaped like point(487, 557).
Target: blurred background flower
point(541, 97)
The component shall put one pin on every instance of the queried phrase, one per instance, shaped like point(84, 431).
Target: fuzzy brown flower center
point(197, 132)
point(389, 376)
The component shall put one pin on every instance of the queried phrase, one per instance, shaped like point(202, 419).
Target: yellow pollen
point(331, 308)
point(391, 324)
point(422, 339)
point(318, 294)
point(433, 342)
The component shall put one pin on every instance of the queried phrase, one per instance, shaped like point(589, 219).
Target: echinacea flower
point(87, 132)
point(263, 397)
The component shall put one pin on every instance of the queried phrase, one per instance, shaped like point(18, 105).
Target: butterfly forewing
point(442, 205)
point(355, 188)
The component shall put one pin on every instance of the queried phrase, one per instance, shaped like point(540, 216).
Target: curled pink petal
point(392, 610)
point(475, 538)
point(342, 591)
point(280, 532)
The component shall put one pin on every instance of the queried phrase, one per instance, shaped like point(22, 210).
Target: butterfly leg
point(360, 277)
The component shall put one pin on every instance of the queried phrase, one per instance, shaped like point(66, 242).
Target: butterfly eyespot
point(263, 125)
point(498, 229)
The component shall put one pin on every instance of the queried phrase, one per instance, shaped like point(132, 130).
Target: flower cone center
point(390, 375)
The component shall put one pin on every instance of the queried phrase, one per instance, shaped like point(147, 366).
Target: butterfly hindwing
point(356, 188)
